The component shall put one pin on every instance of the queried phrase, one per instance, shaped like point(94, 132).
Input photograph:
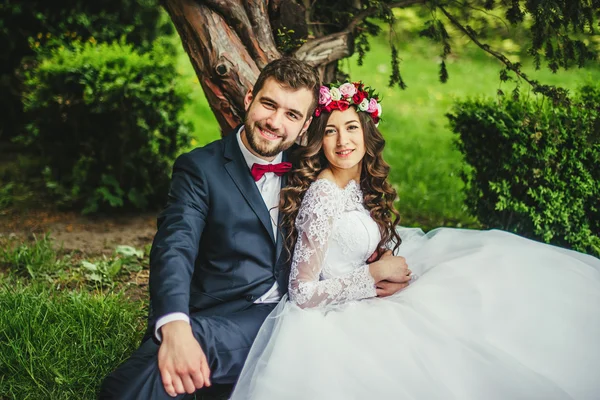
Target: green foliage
point(27, 25)
point(35, 260)
point(558, 32)
point(60, 344)
point(15, 193)
point(39, 260)
point(6, 195)
point(534, 170)
point(107, 121)
point(104, 271)
point(286, 41)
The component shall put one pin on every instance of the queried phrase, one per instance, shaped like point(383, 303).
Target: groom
point(218, 265)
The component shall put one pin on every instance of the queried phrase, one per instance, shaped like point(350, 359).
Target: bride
point(491, 316)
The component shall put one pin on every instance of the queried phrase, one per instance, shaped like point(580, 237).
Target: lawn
point(59, 344)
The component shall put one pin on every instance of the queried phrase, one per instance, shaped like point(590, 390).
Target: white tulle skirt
point(491, 316)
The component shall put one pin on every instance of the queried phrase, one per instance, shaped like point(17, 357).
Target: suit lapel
point(237, 169)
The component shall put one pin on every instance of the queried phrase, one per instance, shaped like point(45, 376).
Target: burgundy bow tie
point(259, 170)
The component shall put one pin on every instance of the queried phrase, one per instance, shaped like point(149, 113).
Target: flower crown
point(337, 96)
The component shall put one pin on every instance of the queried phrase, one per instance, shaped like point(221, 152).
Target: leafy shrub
point(104, 271)
point(107, 120)
point(534, 170)
point(28, 24)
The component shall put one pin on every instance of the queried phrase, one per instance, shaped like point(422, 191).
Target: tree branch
point(225, 68)
point(261, 25)
point(326, 49)
point(333, 47)
point(485, 47)
point(236, 15)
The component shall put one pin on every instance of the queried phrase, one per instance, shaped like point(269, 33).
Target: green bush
point(534, 170)
point(27, 25)
point(107, 121)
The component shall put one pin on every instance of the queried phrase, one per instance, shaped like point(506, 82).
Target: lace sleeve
point(320, 208)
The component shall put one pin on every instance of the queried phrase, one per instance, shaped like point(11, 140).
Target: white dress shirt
point(269, 187)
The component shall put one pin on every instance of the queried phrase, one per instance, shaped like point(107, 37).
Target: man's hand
point(387, 288)
point(181, 361)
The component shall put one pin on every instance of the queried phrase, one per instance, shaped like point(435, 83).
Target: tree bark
point(324, 52)
point(230, 41)
point(224, 66)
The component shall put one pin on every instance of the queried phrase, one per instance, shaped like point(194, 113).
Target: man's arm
point(176, 244)
point(181, 361)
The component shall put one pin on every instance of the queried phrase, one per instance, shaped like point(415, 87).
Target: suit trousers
point(225, 340)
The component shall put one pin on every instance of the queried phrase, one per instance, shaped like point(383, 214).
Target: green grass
point(60, 345)
point(37, 259)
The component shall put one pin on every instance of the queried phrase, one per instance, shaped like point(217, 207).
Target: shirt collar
point(250, 158)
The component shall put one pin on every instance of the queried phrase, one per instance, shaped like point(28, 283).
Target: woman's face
point(344, 142)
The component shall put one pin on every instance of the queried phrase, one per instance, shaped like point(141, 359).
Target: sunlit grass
point(60, 345)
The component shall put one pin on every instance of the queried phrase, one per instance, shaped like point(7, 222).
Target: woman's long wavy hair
point(309, 161)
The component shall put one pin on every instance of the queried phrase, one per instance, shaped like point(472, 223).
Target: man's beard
point(259, 147)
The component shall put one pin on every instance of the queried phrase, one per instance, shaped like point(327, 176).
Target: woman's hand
point(376, 255)
point(390, 268)
point(387, 288)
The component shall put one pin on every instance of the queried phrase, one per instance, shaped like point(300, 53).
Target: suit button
point(250, 297)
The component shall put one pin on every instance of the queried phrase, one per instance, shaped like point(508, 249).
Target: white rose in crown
point(336, 95)
point(364, 105)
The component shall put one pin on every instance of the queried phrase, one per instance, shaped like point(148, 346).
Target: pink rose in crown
point(324, 96)
point(377, 112)
point(348, 90)
point(372, 106)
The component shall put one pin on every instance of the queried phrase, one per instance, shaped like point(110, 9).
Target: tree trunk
point(230, 41)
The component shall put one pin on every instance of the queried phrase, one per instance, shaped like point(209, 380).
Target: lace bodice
point(336, 236)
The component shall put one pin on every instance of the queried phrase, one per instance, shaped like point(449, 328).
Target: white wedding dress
point(491, 316)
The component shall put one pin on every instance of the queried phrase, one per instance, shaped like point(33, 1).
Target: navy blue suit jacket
point(214, 252)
